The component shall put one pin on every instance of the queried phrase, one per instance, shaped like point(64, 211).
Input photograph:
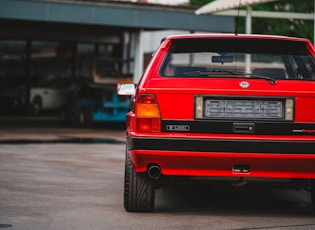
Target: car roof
point(242, 36)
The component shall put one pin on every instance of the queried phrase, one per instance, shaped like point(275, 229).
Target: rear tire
point(139, 190)
point(313, 193)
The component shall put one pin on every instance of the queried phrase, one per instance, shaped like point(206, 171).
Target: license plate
point(243, 109)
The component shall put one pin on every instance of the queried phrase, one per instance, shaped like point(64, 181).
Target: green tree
point(288, 27)
point(199, 2)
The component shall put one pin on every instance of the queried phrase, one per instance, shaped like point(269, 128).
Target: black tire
point(139, 190)
point(313, 193)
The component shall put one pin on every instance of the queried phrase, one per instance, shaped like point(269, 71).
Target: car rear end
point(223, 106)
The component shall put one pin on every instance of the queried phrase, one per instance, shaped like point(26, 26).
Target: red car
point(221, 106)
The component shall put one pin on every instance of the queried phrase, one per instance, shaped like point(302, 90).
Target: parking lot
point(54, 177)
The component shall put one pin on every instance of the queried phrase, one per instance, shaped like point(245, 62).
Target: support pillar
point(139, 51)
point(248, 31)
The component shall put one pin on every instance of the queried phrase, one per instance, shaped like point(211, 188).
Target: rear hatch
point(225, 106)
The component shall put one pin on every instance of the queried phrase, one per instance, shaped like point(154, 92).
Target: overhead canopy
point(221, 5)
point(225, 5)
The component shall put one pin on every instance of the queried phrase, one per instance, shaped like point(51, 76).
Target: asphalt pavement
point(54, 177)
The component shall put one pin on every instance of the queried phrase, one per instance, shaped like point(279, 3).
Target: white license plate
point(243, 109)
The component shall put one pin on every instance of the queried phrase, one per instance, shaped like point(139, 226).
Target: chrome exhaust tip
point(154, 171)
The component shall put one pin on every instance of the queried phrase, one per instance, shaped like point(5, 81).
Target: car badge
point(244, 84)
point(180, 128)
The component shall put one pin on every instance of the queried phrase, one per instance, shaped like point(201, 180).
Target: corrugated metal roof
point(221, 5)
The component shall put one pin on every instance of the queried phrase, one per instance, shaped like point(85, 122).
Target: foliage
point(288, 27)
point(199, 2)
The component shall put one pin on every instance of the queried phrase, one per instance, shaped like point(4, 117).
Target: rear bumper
point(224, 158)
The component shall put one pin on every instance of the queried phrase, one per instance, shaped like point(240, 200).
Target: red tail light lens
point(148, 114)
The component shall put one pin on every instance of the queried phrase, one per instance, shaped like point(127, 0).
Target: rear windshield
point(276, 59)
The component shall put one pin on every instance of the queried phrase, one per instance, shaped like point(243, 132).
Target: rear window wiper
point(271, 80)
point(210, 72)
point(255, 76)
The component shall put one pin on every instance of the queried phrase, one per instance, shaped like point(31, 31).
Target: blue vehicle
point(95, 103)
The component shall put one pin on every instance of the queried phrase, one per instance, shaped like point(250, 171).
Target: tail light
point(148, 114)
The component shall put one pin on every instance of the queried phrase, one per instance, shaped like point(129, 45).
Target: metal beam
point(113, 14)
point(221, 5)
point(269, 14)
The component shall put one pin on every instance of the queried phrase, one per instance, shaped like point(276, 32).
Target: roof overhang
point(221, 5)
point(113, 14)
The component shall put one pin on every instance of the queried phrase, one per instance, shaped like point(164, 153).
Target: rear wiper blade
point(207, 73)
point(271, 80)
point(255, 76)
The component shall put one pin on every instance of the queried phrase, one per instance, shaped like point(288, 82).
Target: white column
point(248, 31)
point(139, 51)
point(126, 53)
point(249, 20)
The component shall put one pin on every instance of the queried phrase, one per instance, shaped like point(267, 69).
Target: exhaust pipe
point(154, 171)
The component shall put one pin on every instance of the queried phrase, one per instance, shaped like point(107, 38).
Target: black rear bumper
point(222, 145)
